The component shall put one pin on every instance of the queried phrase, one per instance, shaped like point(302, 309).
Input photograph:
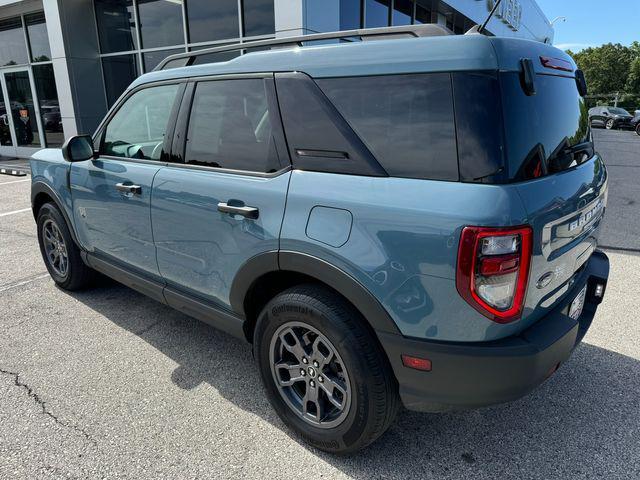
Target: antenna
point(493, 10)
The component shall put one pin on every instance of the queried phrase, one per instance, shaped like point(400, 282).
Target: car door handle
point(238, 208)
point(134, 189)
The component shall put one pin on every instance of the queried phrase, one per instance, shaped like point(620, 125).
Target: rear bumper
point(473, 375)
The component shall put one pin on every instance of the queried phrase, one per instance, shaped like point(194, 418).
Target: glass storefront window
point(119, 71)
point(349, 14)
point(376, 13)
point(209, 20)
point(13, 49)
point(116, 25)
point(423, 11)
point(38, 37)
point(402, 12)
point(152, 59)
point(259, 18)
point(160, 23)
point(214, 57)
point(22, 109)
point(49, 107)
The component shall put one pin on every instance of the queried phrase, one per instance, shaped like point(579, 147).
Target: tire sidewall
point(638, 129)
point(347, 434)
point(48, 212)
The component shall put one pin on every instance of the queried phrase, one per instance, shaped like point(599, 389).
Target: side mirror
point(78, 148)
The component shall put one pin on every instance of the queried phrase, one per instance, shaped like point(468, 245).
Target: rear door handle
point(238, 208)
point(133, 189)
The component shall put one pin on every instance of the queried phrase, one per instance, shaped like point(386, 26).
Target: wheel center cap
point(311, 371)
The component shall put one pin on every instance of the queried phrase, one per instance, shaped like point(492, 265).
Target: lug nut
point(312, 383)
point(303, 372)
point(305, 361)
point(316, 364)
point(321, 379)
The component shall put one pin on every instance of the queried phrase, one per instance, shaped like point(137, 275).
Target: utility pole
point(616, 100)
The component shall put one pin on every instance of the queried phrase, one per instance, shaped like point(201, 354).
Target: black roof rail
point(382, 33)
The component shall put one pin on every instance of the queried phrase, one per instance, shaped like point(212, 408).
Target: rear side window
point(407, 121)
point(230, 127)
point(138, 128)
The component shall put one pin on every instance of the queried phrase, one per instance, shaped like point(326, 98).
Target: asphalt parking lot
point(106, 383)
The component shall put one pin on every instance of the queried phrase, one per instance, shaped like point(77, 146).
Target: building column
point(73, 39)
point(302, 17)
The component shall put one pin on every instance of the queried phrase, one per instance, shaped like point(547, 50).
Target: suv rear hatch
point(550, 157)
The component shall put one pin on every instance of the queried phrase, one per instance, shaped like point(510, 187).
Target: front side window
point(138, 128)
point(407, 121)
point(230, 127)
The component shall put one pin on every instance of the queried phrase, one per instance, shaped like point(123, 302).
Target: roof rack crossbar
point(425, 30)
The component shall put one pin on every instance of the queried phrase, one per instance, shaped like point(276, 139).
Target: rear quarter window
point(406, 121)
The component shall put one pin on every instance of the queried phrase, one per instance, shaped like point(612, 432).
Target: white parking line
point(14, 212)
point(16, 181)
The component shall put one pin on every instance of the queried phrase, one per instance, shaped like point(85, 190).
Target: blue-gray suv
point(410, 219)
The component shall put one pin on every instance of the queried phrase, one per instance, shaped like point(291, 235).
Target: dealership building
point(63, 63)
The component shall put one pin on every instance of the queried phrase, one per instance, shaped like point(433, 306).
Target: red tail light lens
point(493, 270)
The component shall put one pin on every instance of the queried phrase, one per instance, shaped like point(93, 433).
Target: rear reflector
point(556, 64)
point(416, 363)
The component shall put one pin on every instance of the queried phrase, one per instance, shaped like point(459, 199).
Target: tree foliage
point(608, 67)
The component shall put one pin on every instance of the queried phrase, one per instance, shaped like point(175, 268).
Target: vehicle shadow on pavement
point(583, 422)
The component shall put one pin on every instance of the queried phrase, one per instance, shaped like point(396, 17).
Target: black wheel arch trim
point(41, 187)
point(321, 270)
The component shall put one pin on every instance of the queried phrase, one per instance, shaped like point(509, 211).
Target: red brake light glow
point(556, 64)
point(492, 279)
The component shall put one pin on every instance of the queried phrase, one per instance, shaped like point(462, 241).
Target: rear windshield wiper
point(566, 156)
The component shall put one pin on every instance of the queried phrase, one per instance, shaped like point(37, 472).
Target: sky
point(590, 23)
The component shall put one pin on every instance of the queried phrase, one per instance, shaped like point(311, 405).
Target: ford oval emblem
point(545, 280)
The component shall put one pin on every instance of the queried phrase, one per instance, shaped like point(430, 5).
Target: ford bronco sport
point(406, 221)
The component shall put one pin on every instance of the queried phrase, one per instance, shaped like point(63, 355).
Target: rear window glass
point(407, 121)
point(541, 129)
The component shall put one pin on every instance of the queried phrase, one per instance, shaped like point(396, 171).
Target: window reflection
point(13, 49)
point(116, 25)
point(377, 13)
point(119, 72)
point(49, 107)
point(214, 57)
point(23, 112)
point(212, 20)
point(38, 37)
point(402, 12)
point(349, 14)
point(160, 22)
point(152, 59)
point(423, 11)
point(259, 18)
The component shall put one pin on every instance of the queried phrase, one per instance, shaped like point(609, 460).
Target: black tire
point(76, 275)
point(610, 125)
point(373, 397)
point(638, 129)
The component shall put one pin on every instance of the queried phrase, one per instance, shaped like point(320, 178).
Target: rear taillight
point(493, 270)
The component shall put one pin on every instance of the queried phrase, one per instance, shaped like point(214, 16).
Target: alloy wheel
point(310, 375)
point(55, 248)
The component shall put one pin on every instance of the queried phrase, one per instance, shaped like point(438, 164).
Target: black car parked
point(635, 123)
point(610, 117)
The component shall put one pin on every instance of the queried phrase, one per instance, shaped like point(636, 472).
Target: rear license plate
point(575, 310)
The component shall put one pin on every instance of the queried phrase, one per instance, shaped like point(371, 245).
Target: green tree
point(607, 68)
point(633, 81)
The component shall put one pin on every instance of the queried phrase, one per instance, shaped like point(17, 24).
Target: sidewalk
point(9, 165)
